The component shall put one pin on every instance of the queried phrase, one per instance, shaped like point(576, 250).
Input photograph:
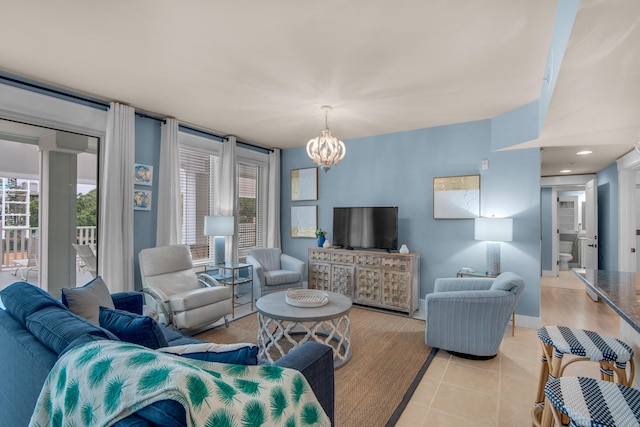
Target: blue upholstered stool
point(610, 353)
point(589, 402)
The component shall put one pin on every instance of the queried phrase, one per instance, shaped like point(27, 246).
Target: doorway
point(628, 211)
point(571, 229)
point(637, 204)
point(48, 196)
point(566, 207)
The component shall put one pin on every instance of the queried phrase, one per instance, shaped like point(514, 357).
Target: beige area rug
point(388, 354)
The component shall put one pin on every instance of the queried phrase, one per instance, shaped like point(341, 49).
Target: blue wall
point(608, 218)
point(147, 152)
point(398, 170)
point(565, 17)
point(515, 126)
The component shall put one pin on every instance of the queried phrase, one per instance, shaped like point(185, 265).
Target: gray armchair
point(468, 316)
point(274, 271)
point(184, 299)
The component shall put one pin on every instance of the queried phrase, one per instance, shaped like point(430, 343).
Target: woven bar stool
point(610, 353)
point(590, 402)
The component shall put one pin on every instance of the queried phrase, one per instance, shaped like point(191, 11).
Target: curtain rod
point(147, 116)
point(224, 138)
point(270, 150)
point(106, 105)
point(41, 87)
point(203, 132)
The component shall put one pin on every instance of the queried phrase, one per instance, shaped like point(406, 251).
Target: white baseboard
point(528, 322)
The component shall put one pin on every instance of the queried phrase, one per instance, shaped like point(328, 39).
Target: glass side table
point(232, 274)
point(461, 273)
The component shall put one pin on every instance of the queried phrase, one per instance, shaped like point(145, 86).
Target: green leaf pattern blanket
point(99, 383)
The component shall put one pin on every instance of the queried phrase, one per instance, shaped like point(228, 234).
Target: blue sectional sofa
point(36, 328)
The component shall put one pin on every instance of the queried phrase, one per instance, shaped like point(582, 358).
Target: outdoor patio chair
point(26, 265)
point(88, 259)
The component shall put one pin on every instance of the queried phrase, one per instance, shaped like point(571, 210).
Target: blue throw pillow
point(21, 299)
point(57, 328)
point(237, 354)
point(165, 413)
point(133, 328)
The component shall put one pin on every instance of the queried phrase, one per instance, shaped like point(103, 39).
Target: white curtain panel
point(115, 248)
point(228, 193)
point(169, 230)
point(273, 200)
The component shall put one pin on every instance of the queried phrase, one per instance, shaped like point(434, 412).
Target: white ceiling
point(261, 70)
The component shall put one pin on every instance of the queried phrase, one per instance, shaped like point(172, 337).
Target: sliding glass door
point(45, 186)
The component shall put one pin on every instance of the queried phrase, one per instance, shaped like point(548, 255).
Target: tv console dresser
point(372, 278)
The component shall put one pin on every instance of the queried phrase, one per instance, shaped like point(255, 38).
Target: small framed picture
point(304, 221)
point(304, 184)
point(142, 200)
point(143, 174)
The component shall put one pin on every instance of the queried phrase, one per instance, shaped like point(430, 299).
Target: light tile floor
point(500, 392)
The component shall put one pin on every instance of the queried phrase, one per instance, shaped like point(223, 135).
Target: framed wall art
point(142, 200)
point(304, 184)
point(143, 174)
point(456, 197)
point(304, 221)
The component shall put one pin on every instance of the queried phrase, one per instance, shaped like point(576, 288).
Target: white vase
point(327, 244)
point(404, 249)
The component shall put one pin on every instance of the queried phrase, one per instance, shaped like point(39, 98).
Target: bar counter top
point(619, 289)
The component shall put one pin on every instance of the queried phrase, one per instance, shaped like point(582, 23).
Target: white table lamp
point(219, 226)
point(494, 231)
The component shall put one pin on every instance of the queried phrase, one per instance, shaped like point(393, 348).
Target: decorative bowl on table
point(306, 298)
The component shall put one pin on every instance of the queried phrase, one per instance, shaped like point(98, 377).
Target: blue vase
point(321, 240)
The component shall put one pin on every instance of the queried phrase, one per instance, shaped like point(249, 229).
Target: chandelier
point(326, 150)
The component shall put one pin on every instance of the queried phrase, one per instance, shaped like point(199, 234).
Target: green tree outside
point(86, 210)
point(246, 210)
point(33, 212)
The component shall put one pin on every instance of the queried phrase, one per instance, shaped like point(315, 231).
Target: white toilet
point(566, 254)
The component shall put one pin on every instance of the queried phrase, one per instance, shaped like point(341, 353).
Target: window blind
point(198, 179)
point(251, 208)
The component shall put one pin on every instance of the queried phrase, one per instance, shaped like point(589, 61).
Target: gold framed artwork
point(456, 197)
point(304, 221)
point(304, 184)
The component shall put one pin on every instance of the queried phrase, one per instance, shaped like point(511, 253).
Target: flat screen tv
point(366, 228)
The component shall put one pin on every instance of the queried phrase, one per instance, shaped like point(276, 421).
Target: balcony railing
point(14, 243)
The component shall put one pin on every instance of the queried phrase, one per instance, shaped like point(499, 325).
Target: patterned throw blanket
point(99, 383)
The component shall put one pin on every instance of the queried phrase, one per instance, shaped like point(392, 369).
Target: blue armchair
point(468, 316)
point(274, 271)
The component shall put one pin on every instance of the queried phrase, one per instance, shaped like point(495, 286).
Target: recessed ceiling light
point(565, 171)
point(584, 152)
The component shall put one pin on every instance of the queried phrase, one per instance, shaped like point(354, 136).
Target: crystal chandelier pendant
point(326, 150)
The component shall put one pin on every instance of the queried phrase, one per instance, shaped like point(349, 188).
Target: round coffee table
point(280, 326)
